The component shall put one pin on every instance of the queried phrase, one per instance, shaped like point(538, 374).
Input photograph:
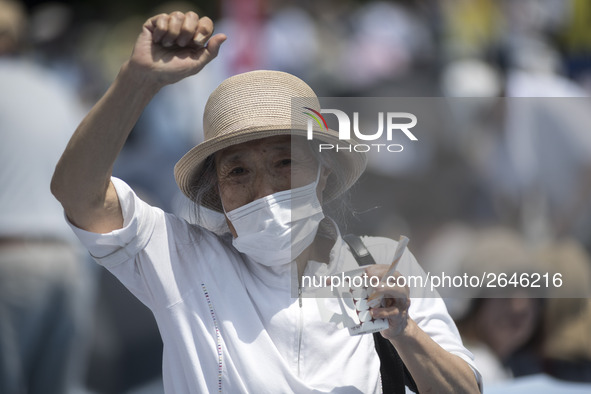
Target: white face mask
point(275, 229)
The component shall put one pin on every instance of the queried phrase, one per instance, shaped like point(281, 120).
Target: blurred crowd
point(502, 179)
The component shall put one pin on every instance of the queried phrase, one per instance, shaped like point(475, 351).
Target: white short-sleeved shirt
point(231, 325)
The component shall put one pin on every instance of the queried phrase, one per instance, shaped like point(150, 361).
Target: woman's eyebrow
point(281, 150)
point(231, 155)
point(231, 159)
point(234, 155)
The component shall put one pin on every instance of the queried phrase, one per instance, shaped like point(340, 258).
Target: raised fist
point(174, 46)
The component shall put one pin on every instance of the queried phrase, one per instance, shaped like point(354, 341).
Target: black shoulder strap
point(359, 250)
point(394, 373)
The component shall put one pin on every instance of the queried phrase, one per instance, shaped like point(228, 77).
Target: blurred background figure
point(526, 340)
point(530, 150)
point(494, 325)
point(559, 360)
point(566, 344)
point(46, 289)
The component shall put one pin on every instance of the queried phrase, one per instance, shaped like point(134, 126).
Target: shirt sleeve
point(113, 249)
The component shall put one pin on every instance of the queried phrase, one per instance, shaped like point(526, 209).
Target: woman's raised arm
point(169, 48)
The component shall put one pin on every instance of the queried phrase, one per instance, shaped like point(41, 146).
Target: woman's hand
point(433, 368)
point(174, 46)
point(395, 302)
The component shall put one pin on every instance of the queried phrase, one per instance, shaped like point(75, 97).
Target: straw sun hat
point(256, 105)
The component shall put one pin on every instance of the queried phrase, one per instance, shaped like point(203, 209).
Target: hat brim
point(190, 167)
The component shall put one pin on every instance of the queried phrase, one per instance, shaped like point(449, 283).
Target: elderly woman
point(224, 304)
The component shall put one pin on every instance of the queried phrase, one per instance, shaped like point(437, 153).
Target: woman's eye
point(237, 171)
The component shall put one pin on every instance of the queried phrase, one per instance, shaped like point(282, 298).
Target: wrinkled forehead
point(281, 144)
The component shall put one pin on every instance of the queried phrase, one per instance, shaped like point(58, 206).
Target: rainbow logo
point(316, 117)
